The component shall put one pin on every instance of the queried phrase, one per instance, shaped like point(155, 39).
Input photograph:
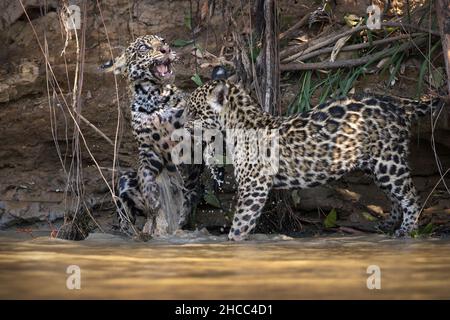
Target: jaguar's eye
point(143, 48)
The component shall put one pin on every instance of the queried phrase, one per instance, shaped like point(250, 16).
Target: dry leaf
point(337, 47)
point(382, 62)
point(339, 44)
point(303, 38)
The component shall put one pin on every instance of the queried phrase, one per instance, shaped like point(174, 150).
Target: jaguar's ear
point(218, 97)
point(116, 65)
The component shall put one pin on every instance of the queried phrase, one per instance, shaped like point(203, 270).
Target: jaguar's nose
point(164, 49)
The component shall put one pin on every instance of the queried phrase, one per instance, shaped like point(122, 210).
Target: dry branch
point(292, 54)
point(104, 136)
point(358, 46)
point(350, 62)
point(288, 33)
point(319, 38)
point(327, 41)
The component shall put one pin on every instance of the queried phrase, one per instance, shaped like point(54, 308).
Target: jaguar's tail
point(419, 108)
point(415, 109)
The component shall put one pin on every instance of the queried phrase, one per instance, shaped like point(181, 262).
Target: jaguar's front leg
point(252, 196)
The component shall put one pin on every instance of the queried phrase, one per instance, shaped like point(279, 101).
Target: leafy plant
point(211, 199)
point(424, 67)
point(330, 220)
point(196, 78)
point(181, 42)
point(188, 21)
point(424, 231)
point(368, 216)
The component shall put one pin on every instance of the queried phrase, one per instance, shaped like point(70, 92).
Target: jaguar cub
point(370, 133)
point(157, 110)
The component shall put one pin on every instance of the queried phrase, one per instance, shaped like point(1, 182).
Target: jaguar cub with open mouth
point(157, 109)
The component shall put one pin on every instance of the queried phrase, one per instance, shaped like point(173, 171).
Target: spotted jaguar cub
point(370, 133)
point(157, 109)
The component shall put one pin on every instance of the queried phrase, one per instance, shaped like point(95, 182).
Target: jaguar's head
point(206, 103)
point(148, 58)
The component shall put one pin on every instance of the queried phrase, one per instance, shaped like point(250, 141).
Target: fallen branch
point(358, 46)
point(350, 62)
point(324, 43)
point(288, 58)
point(319, 38)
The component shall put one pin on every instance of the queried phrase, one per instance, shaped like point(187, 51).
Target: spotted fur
point(370, 133)
point(157, 109)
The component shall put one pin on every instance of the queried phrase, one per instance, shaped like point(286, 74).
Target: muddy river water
point(208, 267)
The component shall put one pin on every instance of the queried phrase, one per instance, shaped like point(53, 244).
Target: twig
point(347, 63)
point(285, 53)
point(324, 43)
point(409, 26)
point(289, 32)
point(104, 136)
point(358, 46)
point(59, 90)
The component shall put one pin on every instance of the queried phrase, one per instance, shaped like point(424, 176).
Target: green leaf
point(196, 78)
point(368, 216)
point(254, 53)
point(425, 231)
point(188, 21)
point(369, 36)
point(181, 43)
point(398, 62)
point(330, 220)
point(428, 229)
point(212, 200)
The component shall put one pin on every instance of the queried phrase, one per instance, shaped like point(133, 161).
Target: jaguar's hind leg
point(150, 166)
point(130, 203)
point(252, 195)
point(395, 179)
point(409, 202)
point(393, 219)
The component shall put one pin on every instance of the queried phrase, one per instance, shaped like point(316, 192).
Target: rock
point(18, 212)
point(21, 83)
point(12, 10)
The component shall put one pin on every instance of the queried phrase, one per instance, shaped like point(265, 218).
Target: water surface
point(199, 266)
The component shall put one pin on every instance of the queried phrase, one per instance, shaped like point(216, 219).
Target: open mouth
point(163, 69)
